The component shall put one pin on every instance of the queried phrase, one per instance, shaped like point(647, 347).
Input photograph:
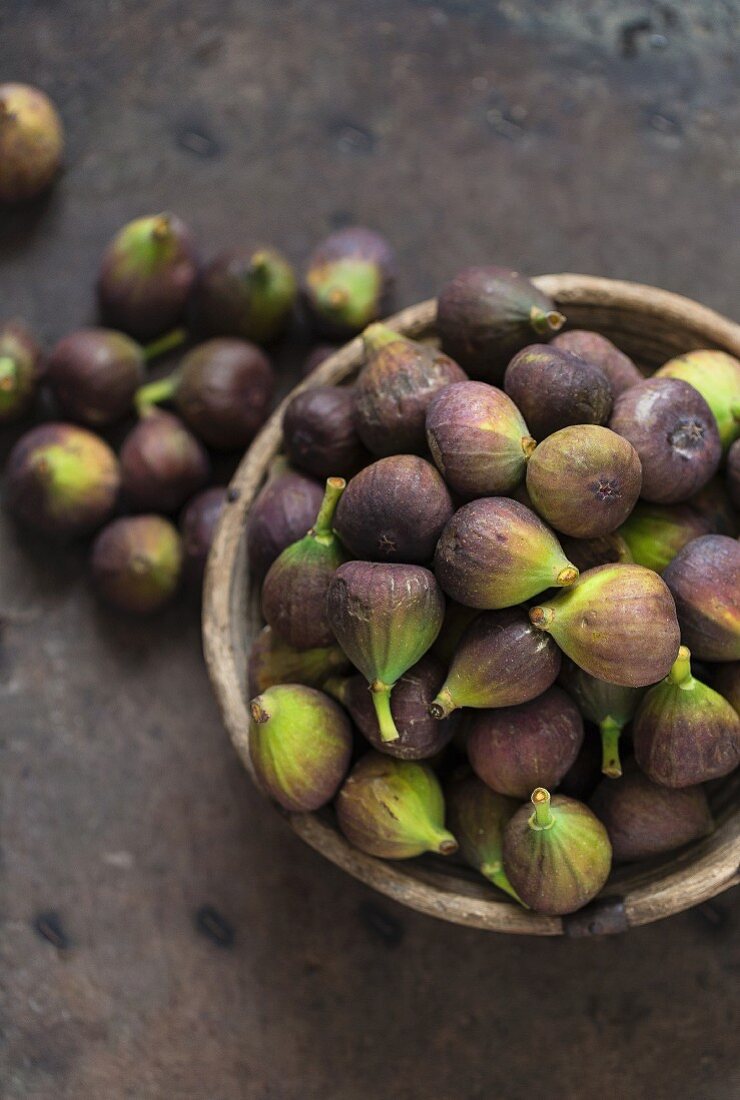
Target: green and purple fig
point(385, 617)
point(619, 369)
point(31, 142)
point(294, 590)
point(394, 510)
point(283, 510)
point(136, 563)
point(245, 293)
point(585, 774)
point(477, 817)
point(315, 358)
point(584, 480)
point(617, 622)
point(704, 579)
point(656, 532)
point(674, 432)
point(349, 281)
point(554, 389)
point(94, 374)
point(146, 276)
point(478, 439)
point(609, 706)
point(716, 375)
point(61, 480)
point(162, 464)
point(501, 661)
point(393, 809)
point(456, 621)
point(733, 473)
point(727, 682)
point(198, 524)
point(514, 749)
point(557, 857)
point(21, 365)
point(588, 553)
point(272, 661)
point(395, 388)
point(300, 744)
point(486, 314)
point(496, 553)
point(319, 433)
point(684, 732)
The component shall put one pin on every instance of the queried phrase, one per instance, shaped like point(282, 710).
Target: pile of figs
point(506, 628)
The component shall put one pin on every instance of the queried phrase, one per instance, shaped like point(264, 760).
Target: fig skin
point(456, 621)
point(61, 480)
point(559, 857)
point(486, 314)
point(617, 622)
point(478, 439)
point(162, 464)
point(501, 661)
point(349, 281)
point(198, 524)
point(716, 375)
point(714, 504)
point(656, 532)
point(300, 744)
point(675, 434)
point(704, 580)
point(395, 389)
point(272, 661)
point(31, 142)
point(515, 749)
point(554, 389)
point(727, 683)
point(496, 553)
point(684, 732)
point(584, 480)
point(609, 706)
point(394, 510)
point(645, 820)
point(245, 293)
point(94, 374)
point(619, 369)
point(282, 513)
point(21, 367)
point(582, 778)
point(477, 817)
point(136, 563)
point(588, 553)
point(319, 433)
point(733, 473)
point(393, 809)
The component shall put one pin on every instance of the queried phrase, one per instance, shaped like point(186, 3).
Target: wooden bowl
point(649, 324)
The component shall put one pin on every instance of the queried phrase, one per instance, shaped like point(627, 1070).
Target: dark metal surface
point(164, 935)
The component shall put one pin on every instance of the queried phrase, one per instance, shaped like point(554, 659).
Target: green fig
point(136, 563)
point(588, 553)
point(349, 281)
point(283, 511)
point(20, 371)
point(656, 532)
point(559, 857)
point(716, 375)
point(31, 142)
point(727, 682)
point(609, 706)
point(600, 352)
point(245, 293)
point(300, 744)
point(393, 809)
point(704, 580)
point(554, 388)
point(477, 817)
point(272, 661)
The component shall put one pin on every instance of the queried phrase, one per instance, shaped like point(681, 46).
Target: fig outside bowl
point(649, 324)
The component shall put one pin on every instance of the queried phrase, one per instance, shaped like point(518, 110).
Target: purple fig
point(94, 374)
point(584, 775)
point(245, 293)
point(456, 621)
point(198, 526)
point(727, 682)
point(477, 817)
point(733, 473)
point(704, 580)
point(349, 281)
point(31, 142)
point(715, 505)
point(554, 389)
point(272, 661)
point(315, 358)
point(619, 369)
point(656, 532)
point(716, 375)
point(608, 706)
point(136, 563)
point(20, 370)
point(162, 464)
point(319, 433)
point(283, 511)
point(588, 553)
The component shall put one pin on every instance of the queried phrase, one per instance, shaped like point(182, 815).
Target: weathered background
point(593, 136)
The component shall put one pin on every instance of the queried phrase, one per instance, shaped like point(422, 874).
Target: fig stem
point(259, 264)
point(321, 529)
point(445, 843)
point(541, 617)
point(496, 874)
point(680, 673)
point(611, 765)
point(337, 297)
point(567, 576)
point(381, 694)
point(529, 445)
point(163, 344)
point(544, 321)
point(163, 389)
point(542, 818)
point(161, 228)
point(257, 709)
point(377, 336)
point(8, 372)
point(442, 705)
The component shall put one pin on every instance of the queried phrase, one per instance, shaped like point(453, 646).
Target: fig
point(61, 480)
point(584, 480)
point(609, 706)
point(197, 527)
point(486, 314)
point(514, 749)
point(716, 376)
point(20, 371)
point(394, 510)
point(94, 374)
point(244, 293)
point(272, 661)
point(162, 464)
point(685, 732)
point(675, 434)
point(656, 532)
point(319, 433)
point(136, 563)
point(393, 809)
point(617, 622)
point(495, 553)
point(554, 389)
point(283, 511)
point(502, 660)
point(315, 358)
point(31, 142)
point(385, 617)
point(294, 590)
point(477, 817)
point(733, 473)
point(727, 682)
point(349, 281)
point(704, 580)
point(645, 820)
point(619, 369)
point(300, 744)
point(588, 553)
point(146, 276)
point(395, 388)
point(584, 775)
point(714, 504)
point(559, 857)
point(478, 439)
point(456, 621)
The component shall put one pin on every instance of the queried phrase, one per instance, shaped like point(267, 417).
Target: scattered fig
point(245, 293)
point(94, 374)
point(656, 532)
point(319, 433)
point(609, 706)
point(136, 563)
point(588, 553)
point(555, 388)
point(477, 817)
point(619, 369)
point(283, 511)
point(704, 580)
point(349, 281)
point(20, 370)
point(272, 661)
point(31, 142)
point(716, 376)
point(162, 464)
point(197, 527)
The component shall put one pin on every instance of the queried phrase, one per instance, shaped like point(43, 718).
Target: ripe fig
point(20, 371)
point(617, 622)
point(393, 809)
point(588, 553)
point(456, 621)
point(283, 510)
point(608, 706)
point(315, 358)
point(495, 553)
point(162, 464)
point(514, 749)
point(245, 293)
point(584, 480)
point(656, 532)
point(716, 376)
point(349, 281)
point(31, 142)
point(477, 817)
point(733, 473)
point(704, 579)
point(555, 388)
point(478, 439)
point(395, 389)
point(61, 480)
point(197, 527)
point(300, 744)
point(94, 374)
point(486, 314)
point(385, 617)
point(684, 732)
point(675, 434)
point(136, 563)
point(619, 369)
point(559, 857)
point(727, 682)
point(394, 510)
point(272, 661)
point(319, 432)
